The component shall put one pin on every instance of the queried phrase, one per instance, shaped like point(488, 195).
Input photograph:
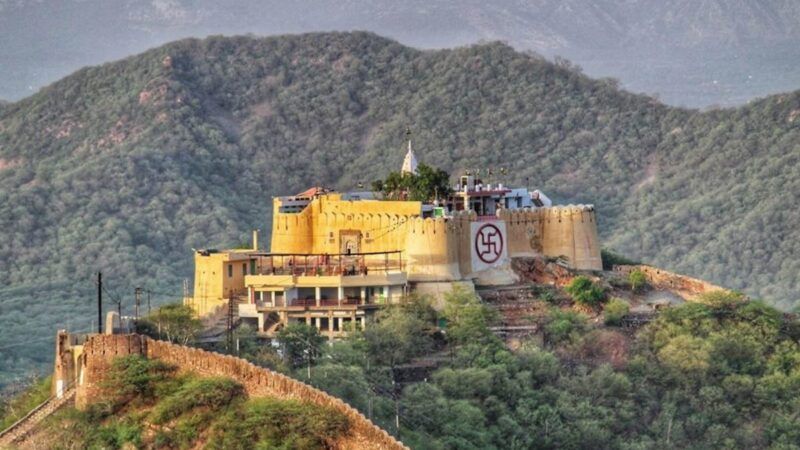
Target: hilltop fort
point(336, 257)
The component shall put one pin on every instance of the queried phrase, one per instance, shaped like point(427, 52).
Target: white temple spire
point(410, 161)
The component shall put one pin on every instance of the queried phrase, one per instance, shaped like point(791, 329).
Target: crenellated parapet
point(292, 232)
point(438, 249)
point(432, 249)
point(559, 231)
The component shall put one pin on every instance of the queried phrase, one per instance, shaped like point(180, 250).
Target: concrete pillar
point(386, 294)
point(340, 293)
point(261, 323)
point(363, 297)
point(251, 295)
point(272, 298)
point(330, 323)
point(317, 294)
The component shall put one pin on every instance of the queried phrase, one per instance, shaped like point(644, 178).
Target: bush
point(637, 280)
point(563, 325)
point(135, 375)
point(548, 296)
point(585, 292)
point(212, 393)
point(614, 311)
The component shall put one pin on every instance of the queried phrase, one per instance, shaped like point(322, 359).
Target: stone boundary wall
point(260, 382)
point(98, 354)
point(687, 287)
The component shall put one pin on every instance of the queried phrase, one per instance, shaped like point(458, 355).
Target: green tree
point(468, 319)
point(173, 322)
point(563, 326)
point(614, 311)
point(637, 279)
point(302, 345)
point(425, 185)
point(585, 292)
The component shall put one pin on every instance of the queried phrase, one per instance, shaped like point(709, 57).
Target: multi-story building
point(335, 258)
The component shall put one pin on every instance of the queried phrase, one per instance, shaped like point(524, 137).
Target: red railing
point(327, 265)
point(326, 302)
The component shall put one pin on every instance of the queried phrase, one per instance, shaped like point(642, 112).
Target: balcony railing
point(352, 264)
point(310, 302)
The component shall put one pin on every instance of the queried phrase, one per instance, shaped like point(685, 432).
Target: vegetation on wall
point(144, 404)
point(125, 167)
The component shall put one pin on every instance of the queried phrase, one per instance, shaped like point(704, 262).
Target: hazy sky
point(694, 53)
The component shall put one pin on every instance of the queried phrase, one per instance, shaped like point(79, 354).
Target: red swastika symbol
point(489, 243)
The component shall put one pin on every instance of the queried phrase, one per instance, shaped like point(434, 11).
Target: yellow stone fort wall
point(435, 249)
point(569, 231)
point(292, 232)
point(432, 250)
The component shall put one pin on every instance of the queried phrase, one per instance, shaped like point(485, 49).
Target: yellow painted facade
point(434, 249)
point(217, 277)
point(309, 274)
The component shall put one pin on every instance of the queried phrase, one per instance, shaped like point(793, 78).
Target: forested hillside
point(697, 53)
point(127, 166)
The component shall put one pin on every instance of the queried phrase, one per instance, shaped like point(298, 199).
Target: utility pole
point(99, 302)
point(229, 336)
point(137, 292)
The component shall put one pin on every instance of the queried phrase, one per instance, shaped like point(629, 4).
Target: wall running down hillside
point(100, 350)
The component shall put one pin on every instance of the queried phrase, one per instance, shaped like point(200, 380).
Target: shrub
point(562, 325)
point(210, 393)
point(614, 311)
point(585, 292)
point(637, 280)
point(548, 296)
point(135, 375)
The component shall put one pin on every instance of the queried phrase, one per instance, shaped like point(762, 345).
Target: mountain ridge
point(692, 53)
point(123, 168)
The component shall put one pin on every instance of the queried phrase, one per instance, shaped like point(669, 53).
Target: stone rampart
point(260, 382)
point(569, 231)
point(686, 287)
point(100, 350)
point(97, 356)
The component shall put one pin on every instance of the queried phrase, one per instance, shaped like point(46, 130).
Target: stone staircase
point(21, 428)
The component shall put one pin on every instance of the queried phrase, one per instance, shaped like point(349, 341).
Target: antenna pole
point(137, 292)
point(99, 302)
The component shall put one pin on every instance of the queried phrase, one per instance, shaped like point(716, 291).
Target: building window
point(230, 270)
point(244, 269)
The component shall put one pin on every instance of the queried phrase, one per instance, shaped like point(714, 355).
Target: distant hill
point(694, 53)
point(125, 167)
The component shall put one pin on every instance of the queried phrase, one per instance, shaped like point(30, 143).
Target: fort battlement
point(435, 249)
point(99, 351)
